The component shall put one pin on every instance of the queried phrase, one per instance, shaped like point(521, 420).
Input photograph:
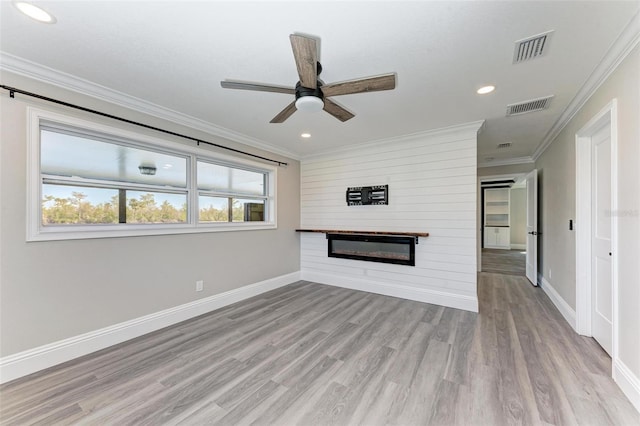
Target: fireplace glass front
point(373, 248)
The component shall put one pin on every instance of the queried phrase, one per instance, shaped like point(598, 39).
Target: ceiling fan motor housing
point(302, 91)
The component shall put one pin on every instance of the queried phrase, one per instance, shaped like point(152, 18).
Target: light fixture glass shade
point(309, 104)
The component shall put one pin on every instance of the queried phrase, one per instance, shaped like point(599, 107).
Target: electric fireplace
point(373, 248)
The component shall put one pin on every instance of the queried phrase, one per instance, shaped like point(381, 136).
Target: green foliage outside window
point(75, 210)
point(143, 209)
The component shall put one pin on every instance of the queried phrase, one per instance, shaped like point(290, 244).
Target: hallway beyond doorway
point(511, 262)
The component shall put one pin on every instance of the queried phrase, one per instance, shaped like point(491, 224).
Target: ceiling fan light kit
point(310, 92)
point(308, 99)
point(309, 104)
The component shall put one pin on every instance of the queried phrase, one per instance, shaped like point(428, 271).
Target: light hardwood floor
point(510, 262)
point(314, 354)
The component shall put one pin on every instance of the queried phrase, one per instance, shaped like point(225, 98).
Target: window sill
point(51, 234)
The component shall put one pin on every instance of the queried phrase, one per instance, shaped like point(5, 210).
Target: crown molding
point(621, 48)
point(35, 71)
point(470, 129)
point(506, 162)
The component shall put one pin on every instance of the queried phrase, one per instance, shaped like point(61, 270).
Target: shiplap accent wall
point(432, 188)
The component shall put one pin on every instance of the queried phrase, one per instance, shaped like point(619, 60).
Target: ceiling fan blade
point(367, 84)
point(337, 111)
point(246, 85)
point(285, 113)
point(305, 52)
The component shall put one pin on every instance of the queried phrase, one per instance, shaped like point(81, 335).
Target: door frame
point(479, 218)
point(608, 114)
point(535, 234)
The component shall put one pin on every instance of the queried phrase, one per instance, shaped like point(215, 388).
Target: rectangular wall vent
point(531, 47)
point(504, 145)
point(529, 106)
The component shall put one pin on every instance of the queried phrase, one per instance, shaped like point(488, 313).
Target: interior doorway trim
point(608, 114)
point(479, 221)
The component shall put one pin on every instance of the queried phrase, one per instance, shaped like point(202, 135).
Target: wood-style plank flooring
point(511, 262)
point(312, 354)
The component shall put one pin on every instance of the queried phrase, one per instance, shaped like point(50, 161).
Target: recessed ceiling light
point(34, 12)
point(486, 89)
point(305, 135)
point(167, 166)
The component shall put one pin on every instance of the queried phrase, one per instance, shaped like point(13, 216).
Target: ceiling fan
point(311, 93)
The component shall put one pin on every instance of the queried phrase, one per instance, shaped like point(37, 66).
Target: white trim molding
point(628, 382)
point(567, 312)
point(452, 300)
point(36, 359)
point(24, 67)
point(609, 115)
point(506, 162)
point(518, 246)
point(620, 49)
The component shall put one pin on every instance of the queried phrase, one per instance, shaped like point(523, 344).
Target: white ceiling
point(175, 53)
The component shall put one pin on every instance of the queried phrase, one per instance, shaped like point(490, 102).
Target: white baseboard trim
point(567, 312)
point(622, 375)
point(452, 300)
point(628, 382)
point(518, 246)
point(36, 359)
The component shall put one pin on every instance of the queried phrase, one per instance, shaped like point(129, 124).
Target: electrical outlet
point(199, 285)
point(549, 273)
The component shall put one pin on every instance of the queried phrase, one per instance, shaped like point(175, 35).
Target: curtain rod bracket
point(12, 94)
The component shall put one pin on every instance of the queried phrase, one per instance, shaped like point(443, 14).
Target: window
point(228, 194)
point(90, 181)
point(86, 180)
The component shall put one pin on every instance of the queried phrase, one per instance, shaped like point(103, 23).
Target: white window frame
point(223, 194)
point(36, 231)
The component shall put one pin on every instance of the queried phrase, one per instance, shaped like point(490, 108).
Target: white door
point(532, 227)
point(601, 288)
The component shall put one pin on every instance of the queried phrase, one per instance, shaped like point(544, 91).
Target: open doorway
point(507, 213)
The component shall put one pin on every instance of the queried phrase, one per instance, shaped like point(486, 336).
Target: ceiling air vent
point(531, 47)
point(529, 106)
point(504, 145)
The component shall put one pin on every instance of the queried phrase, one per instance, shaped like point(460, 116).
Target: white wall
point(56, 290)
point(557, 188)
point(432, 188)
point(510, 169)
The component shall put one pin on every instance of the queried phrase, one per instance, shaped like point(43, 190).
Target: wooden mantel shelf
point(342, 231)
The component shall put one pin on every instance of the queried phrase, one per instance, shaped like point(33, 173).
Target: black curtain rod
point(13, 91)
